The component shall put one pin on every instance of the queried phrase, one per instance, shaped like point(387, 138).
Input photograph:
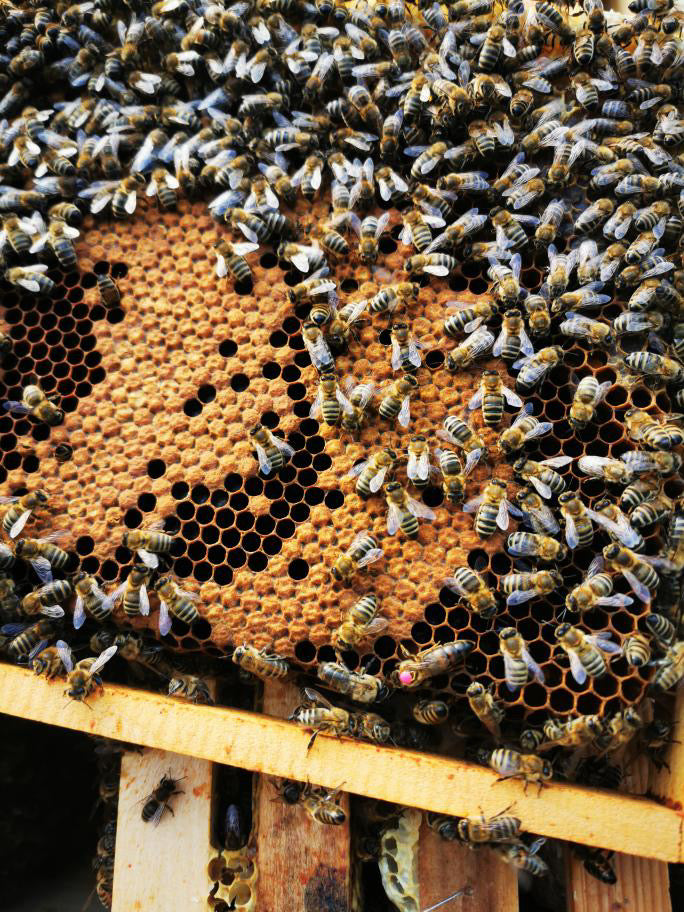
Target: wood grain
point(642, 886)
point(277, 748)
point(305, 861)
point(164, 866)
point(446, 867)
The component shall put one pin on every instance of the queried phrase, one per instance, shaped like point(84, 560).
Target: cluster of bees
point(490, 131)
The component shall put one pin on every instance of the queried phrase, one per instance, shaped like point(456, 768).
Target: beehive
point(160, 395)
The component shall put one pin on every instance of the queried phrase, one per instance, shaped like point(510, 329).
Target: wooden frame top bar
point(264, 744)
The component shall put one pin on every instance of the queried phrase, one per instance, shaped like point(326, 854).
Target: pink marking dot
point(405, 677)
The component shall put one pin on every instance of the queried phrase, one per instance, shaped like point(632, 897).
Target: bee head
point(547, 770)
point(257, 429)
point(392, 486)
point(561, 630)
point(566, 497)
point(475, 690)
point(519, 465)
point(611, 552)
point(508, 633)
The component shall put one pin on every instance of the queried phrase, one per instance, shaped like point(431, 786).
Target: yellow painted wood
point(164, 866)
point(278, 748)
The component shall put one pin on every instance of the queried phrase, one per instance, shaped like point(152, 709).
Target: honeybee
point(618, 526)
point(549, 223)
point(577, 326)
point(43, 554)
point(536, 367)
point(613, 471)
point(20, 510)
point(660, 462)
point(460, 434)
point(579, 531)
point(491, 509)
point(403, 512)
point(518, 662)
point(525, 427)
point(89, 596)
point(506, 289)
point(261, 663)
point(596, 589)
point(670, 669)
point(588, 395)
point(47, 661)
point(594, 216)
point(641, 427)
point(511, 764)
point(536, 514)
point(317, 347)
point(453, 475)
point(656, 509)
point(363, 551)
point(573, 733)
point(470, 586)
point(430, 712)
point(44, 600)
point(405, 349)
point(320, 716)
point(637, 569)
point(157, 802)
point(361, 622)
point(438, 659)
point(272, 452)
point(83, 678)
point(322, 806)
point(538, 316)
point(369, 232)
point(134, 591)
point(360, 396)
point(418, 468)
point(521, 587)
point(491, 396)
point(467, 317)
point(585, 651)
point(395, 404)
point(485, 707)
point(476, 831)
point(438, 264)
point(230, 260)
point(36, 404)
point(475, 346)
point(509, 233)
point(358, 686)
point(392, 296)
point(190, 687)
point(148, 543)
point(175, 600)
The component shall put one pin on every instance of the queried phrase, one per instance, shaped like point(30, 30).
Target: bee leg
point(312, 739)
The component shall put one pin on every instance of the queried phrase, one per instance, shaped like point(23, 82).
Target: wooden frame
point(267, 745)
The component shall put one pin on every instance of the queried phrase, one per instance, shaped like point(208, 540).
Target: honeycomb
point(159, 395)
point(398, 861)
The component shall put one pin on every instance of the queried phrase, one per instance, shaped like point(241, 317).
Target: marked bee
point(438, 659)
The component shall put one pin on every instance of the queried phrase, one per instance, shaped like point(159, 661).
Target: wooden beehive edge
point(267, 745)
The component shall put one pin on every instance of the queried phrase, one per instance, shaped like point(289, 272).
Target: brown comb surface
point(160, 396)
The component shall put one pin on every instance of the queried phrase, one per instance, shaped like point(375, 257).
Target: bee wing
point(500, 342)
point(539, 430)
point(393, 519)
point(117, 593)
point(396, 355)
point(244, 249)
point(19, 524)
point(370, 557)
point(571, 534)
point(472, 460)
point(164, 618)
point(576, 667)
point(52, 611)
point(532, 665)
point(642, 592)
point(541, 488)
point(526, 410)
point(472, 505)
point(42, 568)
point(424, 465)
point(525, 345)
point(603, 641)
point(301, 261)
point(414, 353)
point(556, 462)
point(404, 416)
point(313, 696)
point(79, 613)
point(65, 655)
point(502, 516)
point(376, 626)
point(316, 406)
point(476, 401)
point(512, 398)
point(510, 669)
point(436, 269)
point(615, 601)
point(419, 510)
point(519, 596)
point(150, 560)
point(37, 650)
point(377, 480)
point(102, 659)
point(284, 448)
point(144, 601)
point(264, 461)
point(5, 499)
point(357, 469)
point(221, 266)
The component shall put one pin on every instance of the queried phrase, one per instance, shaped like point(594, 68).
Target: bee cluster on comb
point(379, 159)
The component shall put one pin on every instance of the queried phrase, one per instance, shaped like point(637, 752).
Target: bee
point(134, 591)
point(543, 547)
point(272, 452)
point(445, 827)
point(361, 622)
point(506, 288)
point(459, 231)
point(418, 468)
point(476, 831)
point(653, 365)
point(333, 243)
point(373, 471)
point(521, 587)
point(536, 367)
point(25, 638)
point(613, 471)
point(20, 510)
point(358, 686)
point(303, 257)
point(157, 802)
point(525, 427)
point(637, 569)
point(322, 806)
point(369, 232)
point(585, 651)
point(523, 857)
point(574, 733)
point(588, 395)
point(641, 427)
point(594, 216)
point(431, 712)
point(148, 543)
point(577, 326)
point(618, 526)
point(491, 397)
point(359, 396)
point(435, 660)
point(549, 223)
point(261, 663)
point(491, 509)
point(330, 401)
point(536, 515)
point(83, 678)
point(391, 186)
point(511, 764)
point(392, 296)
point(538, 316)
point(518, 662)
point(475, 346)
point(230, 260)
point(579, 531)
point(45, 599)
point(190, 687)
point(461, 435)
point(313, 287)
point(662, 462)
point(485, 707)
point(43, 554)
point(470, 586)
point(363, 551)
point(670, 669)
point(89, 596)
point(320, 716)
point(35, 403)
point(175, 600)
point(395, 404)
point(438, 264)
point(47, 661)
point(656, 509)
point(595, 590)
point(637, 650)
point(403, 512)
point(317, 347)
point(405, 349)
point(453, 475)
point(597, 862)
point(541, 475)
